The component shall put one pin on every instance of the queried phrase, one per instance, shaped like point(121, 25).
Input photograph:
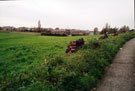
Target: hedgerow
point(80, 71)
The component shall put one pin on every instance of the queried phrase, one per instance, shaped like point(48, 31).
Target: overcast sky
point(78, 14)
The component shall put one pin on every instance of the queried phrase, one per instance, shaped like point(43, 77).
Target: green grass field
point(21, 52)
point(30, 62)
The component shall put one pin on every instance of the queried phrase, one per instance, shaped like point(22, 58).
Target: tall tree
point(124, 29)
point(105, 29)
point(96, 31)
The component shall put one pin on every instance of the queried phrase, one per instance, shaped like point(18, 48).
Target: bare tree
point(96, 31)
point(124, 29)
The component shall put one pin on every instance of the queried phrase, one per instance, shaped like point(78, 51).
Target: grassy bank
point(68, 72)
point(24, 52)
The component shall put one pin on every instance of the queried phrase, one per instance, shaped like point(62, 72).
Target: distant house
point(64, 32)
point(34, 29)
point(23, 29)
point(91, 32)
point(8, 28)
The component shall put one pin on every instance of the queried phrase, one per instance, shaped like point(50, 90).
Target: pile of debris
point(105, 35)
point(74, 45)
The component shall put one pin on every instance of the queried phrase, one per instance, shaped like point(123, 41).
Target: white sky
point(78, 14)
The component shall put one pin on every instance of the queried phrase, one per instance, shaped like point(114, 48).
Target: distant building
point(34, 29)
point(57, 28)
point(8, 28)
point(23, 29)
point(39, 27)
point(39, 24)
point(91, 32)
point(64, 32)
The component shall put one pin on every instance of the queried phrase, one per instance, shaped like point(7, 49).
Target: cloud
point(80, 14)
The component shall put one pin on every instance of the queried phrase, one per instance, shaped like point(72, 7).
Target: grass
point(22, 52)
point(39, 63)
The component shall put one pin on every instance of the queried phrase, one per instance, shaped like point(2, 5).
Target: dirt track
point(120, 76)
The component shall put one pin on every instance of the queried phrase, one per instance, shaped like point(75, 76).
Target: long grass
point(22, 52)
point(39, 63)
